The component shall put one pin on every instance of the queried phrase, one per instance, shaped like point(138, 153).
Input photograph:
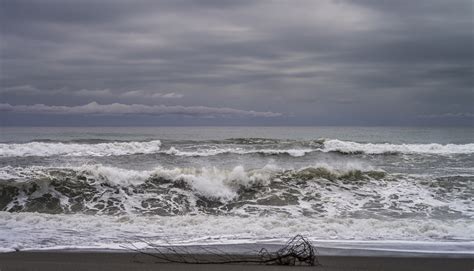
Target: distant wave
point(212, 152)
point(349, 147)
point(75, 149)
point(96, 147)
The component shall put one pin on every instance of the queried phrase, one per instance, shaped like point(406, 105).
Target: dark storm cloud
point(316, 62)
point(120, 109)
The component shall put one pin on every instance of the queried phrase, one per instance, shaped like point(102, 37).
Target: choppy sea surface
point(102, 187)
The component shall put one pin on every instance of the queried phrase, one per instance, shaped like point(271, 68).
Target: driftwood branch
point(297, 251)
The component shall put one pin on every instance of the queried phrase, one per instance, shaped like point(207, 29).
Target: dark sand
point(75, 261)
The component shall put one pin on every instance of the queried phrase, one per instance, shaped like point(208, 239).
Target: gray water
point(96, 187)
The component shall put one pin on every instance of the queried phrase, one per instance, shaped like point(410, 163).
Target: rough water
point(104, 187)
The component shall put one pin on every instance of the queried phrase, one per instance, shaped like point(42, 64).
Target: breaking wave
point(76, 149)
point(349, 147)
point(212, 152)
point(317, 191)
point(91, 147)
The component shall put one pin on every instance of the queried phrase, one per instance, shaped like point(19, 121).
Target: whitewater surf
point(103, 189)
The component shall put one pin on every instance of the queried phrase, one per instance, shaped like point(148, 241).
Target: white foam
point(115, 175)
point(74, 149)
point(224, 184)
point(214, 182)
point(35, 230)
point(371, 148)
point(209, 182)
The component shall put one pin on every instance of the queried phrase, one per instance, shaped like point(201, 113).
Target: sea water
point(96, 187)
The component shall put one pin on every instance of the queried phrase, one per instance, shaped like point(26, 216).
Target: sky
point(218, 62)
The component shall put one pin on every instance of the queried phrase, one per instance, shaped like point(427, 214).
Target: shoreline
point(77, 260)
point(357, 248)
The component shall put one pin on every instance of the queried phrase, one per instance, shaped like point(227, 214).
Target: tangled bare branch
point(297, 251)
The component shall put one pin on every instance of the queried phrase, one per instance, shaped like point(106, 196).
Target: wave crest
point(241, 151)
point(75, 149)
point(320, 190)
point(349, 147)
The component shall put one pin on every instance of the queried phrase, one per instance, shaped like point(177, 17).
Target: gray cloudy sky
point(215, 62)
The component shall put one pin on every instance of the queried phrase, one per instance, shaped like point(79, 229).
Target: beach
point(78, 261)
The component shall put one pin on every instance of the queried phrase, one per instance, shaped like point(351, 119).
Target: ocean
point(106, 187)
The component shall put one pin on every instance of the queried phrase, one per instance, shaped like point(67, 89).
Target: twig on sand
point(297, 251)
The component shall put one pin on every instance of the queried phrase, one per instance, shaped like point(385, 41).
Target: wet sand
point(76, 261)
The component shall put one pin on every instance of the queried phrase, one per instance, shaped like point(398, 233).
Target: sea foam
point(75, 149)
point(119, 231)
point(350, 147)
point(319, 190)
